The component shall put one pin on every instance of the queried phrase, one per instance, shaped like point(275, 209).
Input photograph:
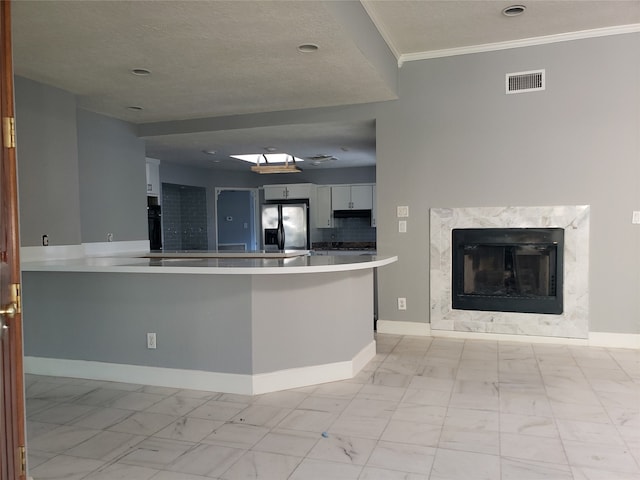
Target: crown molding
point(525, 42)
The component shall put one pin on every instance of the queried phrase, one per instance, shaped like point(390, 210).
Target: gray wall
point(112, 312)
point(47, 153)
point(454, 139)
point(112, 179)
point(81, 175)
point(214, 323)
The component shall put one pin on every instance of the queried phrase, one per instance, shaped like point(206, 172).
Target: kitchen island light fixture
point(271, 162)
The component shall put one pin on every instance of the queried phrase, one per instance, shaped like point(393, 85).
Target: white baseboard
point(201, 380)
point(67, 252)
point(52, 252)
point(115, 248)
point(403, 328)
point(614, 340)
point(596, 339)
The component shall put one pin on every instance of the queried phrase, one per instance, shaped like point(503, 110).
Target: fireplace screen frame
point(552, 238)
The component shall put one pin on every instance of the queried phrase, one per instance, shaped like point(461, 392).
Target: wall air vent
point(521, 82)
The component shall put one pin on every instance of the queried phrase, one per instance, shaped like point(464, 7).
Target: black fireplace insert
point(508, 269)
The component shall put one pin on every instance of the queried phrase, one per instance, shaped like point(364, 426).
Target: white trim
point(362, 358)
point(313, 375)
point(70, 252)
point(504, 337)
point(525, 42)
point(596, 339)
point(614, 340)
point(52, 252)
point(157, 376)
point(403, 328)
point(115, 248)
point(201, 380)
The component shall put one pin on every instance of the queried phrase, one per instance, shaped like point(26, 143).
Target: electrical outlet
point(402, 211)
point(151, 340)
point(109, 237)
point(635, 218)
point(45, 240)
point(402, 303)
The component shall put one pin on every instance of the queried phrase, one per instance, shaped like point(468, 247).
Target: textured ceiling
point(223, 58)
point(426, 26)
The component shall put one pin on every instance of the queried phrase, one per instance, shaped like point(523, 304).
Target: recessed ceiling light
point(135, 108)
point(270, 149)
point(141, 72)
point(308, 47)
point(514, 10)
point(209, 152)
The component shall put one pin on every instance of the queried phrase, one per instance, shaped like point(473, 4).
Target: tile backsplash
point(350, 229)
point(184, 217)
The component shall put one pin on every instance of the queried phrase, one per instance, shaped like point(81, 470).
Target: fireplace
point(572, 270)
point(507, 269)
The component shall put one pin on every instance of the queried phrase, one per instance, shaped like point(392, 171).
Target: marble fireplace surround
point(572, 323)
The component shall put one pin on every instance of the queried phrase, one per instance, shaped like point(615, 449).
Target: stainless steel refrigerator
point(293, 222)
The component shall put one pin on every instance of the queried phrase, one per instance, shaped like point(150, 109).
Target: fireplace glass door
point(509, 270)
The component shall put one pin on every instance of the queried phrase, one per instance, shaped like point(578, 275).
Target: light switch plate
point(402, 226)
point(635, 218)
point(403, 211)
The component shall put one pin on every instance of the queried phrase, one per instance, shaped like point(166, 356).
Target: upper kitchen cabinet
point(153, 177)
point(292, 191)
point(324, 212)
point(352, 197)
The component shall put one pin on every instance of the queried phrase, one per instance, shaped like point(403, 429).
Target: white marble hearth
point(572, 323)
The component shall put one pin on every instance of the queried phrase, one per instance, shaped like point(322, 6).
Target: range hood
point(351, 213)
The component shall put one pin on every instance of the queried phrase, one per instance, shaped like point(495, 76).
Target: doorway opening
point(236, 219)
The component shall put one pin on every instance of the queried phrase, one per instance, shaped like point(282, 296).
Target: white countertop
point(226, 254)
point(210, 264)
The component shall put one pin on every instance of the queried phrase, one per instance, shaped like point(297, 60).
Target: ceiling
point(224, 62)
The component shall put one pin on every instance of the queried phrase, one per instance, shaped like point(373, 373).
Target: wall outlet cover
point(403, 211)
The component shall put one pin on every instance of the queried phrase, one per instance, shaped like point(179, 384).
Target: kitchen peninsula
point(248, 324)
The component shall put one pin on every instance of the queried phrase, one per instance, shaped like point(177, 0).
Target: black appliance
point(155, 227)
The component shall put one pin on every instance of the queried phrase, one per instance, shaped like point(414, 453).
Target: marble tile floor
point(423, 408)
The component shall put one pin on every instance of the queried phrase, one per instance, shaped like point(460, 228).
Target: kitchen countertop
point(226, 254)
point(212, 263)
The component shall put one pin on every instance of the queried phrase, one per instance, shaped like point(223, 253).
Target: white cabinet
point(324, 212)
point(352, 197)
point(361, 197)
point(153, 177)
point(288, 192)
point(374, 209)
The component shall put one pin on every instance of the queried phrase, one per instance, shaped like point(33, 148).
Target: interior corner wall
point(112, 166)
point(455, 139)
point(47, 155)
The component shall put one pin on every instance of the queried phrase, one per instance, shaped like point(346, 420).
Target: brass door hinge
point(9, 132)
point(22, 457)
point(16, 297)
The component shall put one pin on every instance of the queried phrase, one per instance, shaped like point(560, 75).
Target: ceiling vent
point(521, 82)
